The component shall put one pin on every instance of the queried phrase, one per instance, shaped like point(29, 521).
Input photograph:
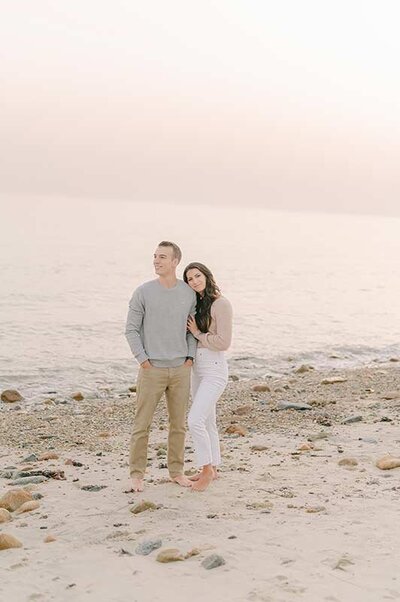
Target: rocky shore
point(305, 506)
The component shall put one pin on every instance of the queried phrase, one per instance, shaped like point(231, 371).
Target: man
point(156, 330)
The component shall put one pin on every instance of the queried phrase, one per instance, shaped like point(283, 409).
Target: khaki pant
point(151, 384)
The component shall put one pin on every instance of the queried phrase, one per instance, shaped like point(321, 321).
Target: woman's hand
point(192, 326)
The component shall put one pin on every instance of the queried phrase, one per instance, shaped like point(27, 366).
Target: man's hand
point(146, 365)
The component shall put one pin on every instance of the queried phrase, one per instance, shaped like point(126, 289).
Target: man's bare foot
point(206, 477)
point(137, 484)
point(197, 476)
point(181, 480)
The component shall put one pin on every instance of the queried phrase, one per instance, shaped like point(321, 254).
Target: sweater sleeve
point(134, 324)
point(222, 338)
point(190, 339)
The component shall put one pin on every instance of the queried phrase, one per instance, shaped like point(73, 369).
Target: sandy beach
point(300, 511)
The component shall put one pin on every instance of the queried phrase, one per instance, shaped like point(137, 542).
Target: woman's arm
point(222, 338)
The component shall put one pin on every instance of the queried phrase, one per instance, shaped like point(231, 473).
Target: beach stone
point(367, 440)
point(303, 368)
point(48, 456)
point(348, 462)
point(258, 448)
point(93, 488)
point(28, 507)
point(391, 395)
point(49, 539)
point(213, 561)
point(236, 429)
point(11, 396)
point(37, 496)
point(8, 541)
point(261, 388)
point(161, 453)
point(351, 419)
point(259, 505)
point(170, 555)
point(132, 388)
point(14, 498)
point(306, 447)
point(5, 516)
point(315, 509)
point(143, 506)
point(333, 380)
point(388, 462)
point(394, 359)
point(291, 405)
point(242, 410)
point(49, 402)
point(30, 458)
point(318, 436)
point(27, 480)
point(148, 546)
point(6, 474)
point(192, 552)
point(234, 377)
point(77, 396)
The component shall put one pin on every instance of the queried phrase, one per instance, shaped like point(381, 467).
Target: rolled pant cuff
point(136, 475)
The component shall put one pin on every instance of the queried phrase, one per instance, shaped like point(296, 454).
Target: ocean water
point(316, 288)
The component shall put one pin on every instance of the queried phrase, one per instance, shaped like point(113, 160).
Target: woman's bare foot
point(197, 476)
point(206, 477)
point(182, 480)
point(137, 484)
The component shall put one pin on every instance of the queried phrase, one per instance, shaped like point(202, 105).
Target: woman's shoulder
point(222, 303)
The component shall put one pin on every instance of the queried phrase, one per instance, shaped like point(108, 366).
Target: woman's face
point(196, 280)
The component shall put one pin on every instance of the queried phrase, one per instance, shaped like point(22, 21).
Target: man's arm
point(191, 341)
point(133, 326)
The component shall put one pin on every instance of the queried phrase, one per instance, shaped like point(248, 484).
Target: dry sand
point(289, 524)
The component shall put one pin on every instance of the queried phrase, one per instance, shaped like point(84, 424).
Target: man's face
point(164, 261)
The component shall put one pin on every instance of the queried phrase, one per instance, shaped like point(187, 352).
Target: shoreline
point(289, 521)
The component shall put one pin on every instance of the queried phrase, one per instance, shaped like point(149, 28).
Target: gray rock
point(30, 458)
point(318, 436)
point(6, 474)
point(148, 546)
point(93, 487)
point(213, 561)
point(368, 440)
point(290, 405)
point(352, 419)
point(27, 480)
point(36, 495)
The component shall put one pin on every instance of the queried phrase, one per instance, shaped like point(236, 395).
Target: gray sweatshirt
point(156, 327)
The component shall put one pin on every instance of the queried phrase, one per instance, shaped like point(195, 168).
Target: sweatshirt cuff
point(142, 357)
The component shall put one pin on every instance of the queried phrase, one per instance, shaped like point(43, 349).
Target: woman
point(212, 327)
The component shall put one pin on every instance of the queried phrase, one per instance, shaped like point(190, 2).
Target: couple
point(175, 328)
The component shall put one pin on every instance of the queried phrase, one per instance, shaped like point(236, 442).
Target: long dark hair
point(211, 292)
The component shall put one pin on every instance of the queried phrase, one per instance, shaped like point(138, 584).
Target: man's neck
point(168, 281)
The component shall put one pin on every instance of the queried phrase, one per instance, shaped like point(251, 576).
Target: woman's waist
point(209, 354)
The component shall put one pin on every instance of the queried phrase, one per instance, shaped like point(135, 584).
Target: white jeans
point(209, 379)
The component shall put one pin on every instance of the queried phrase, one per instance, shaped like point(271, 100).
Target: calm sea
point(315, 288)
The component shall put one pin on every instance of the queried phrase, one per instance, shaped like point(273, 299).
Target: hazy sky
point(289, 103)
